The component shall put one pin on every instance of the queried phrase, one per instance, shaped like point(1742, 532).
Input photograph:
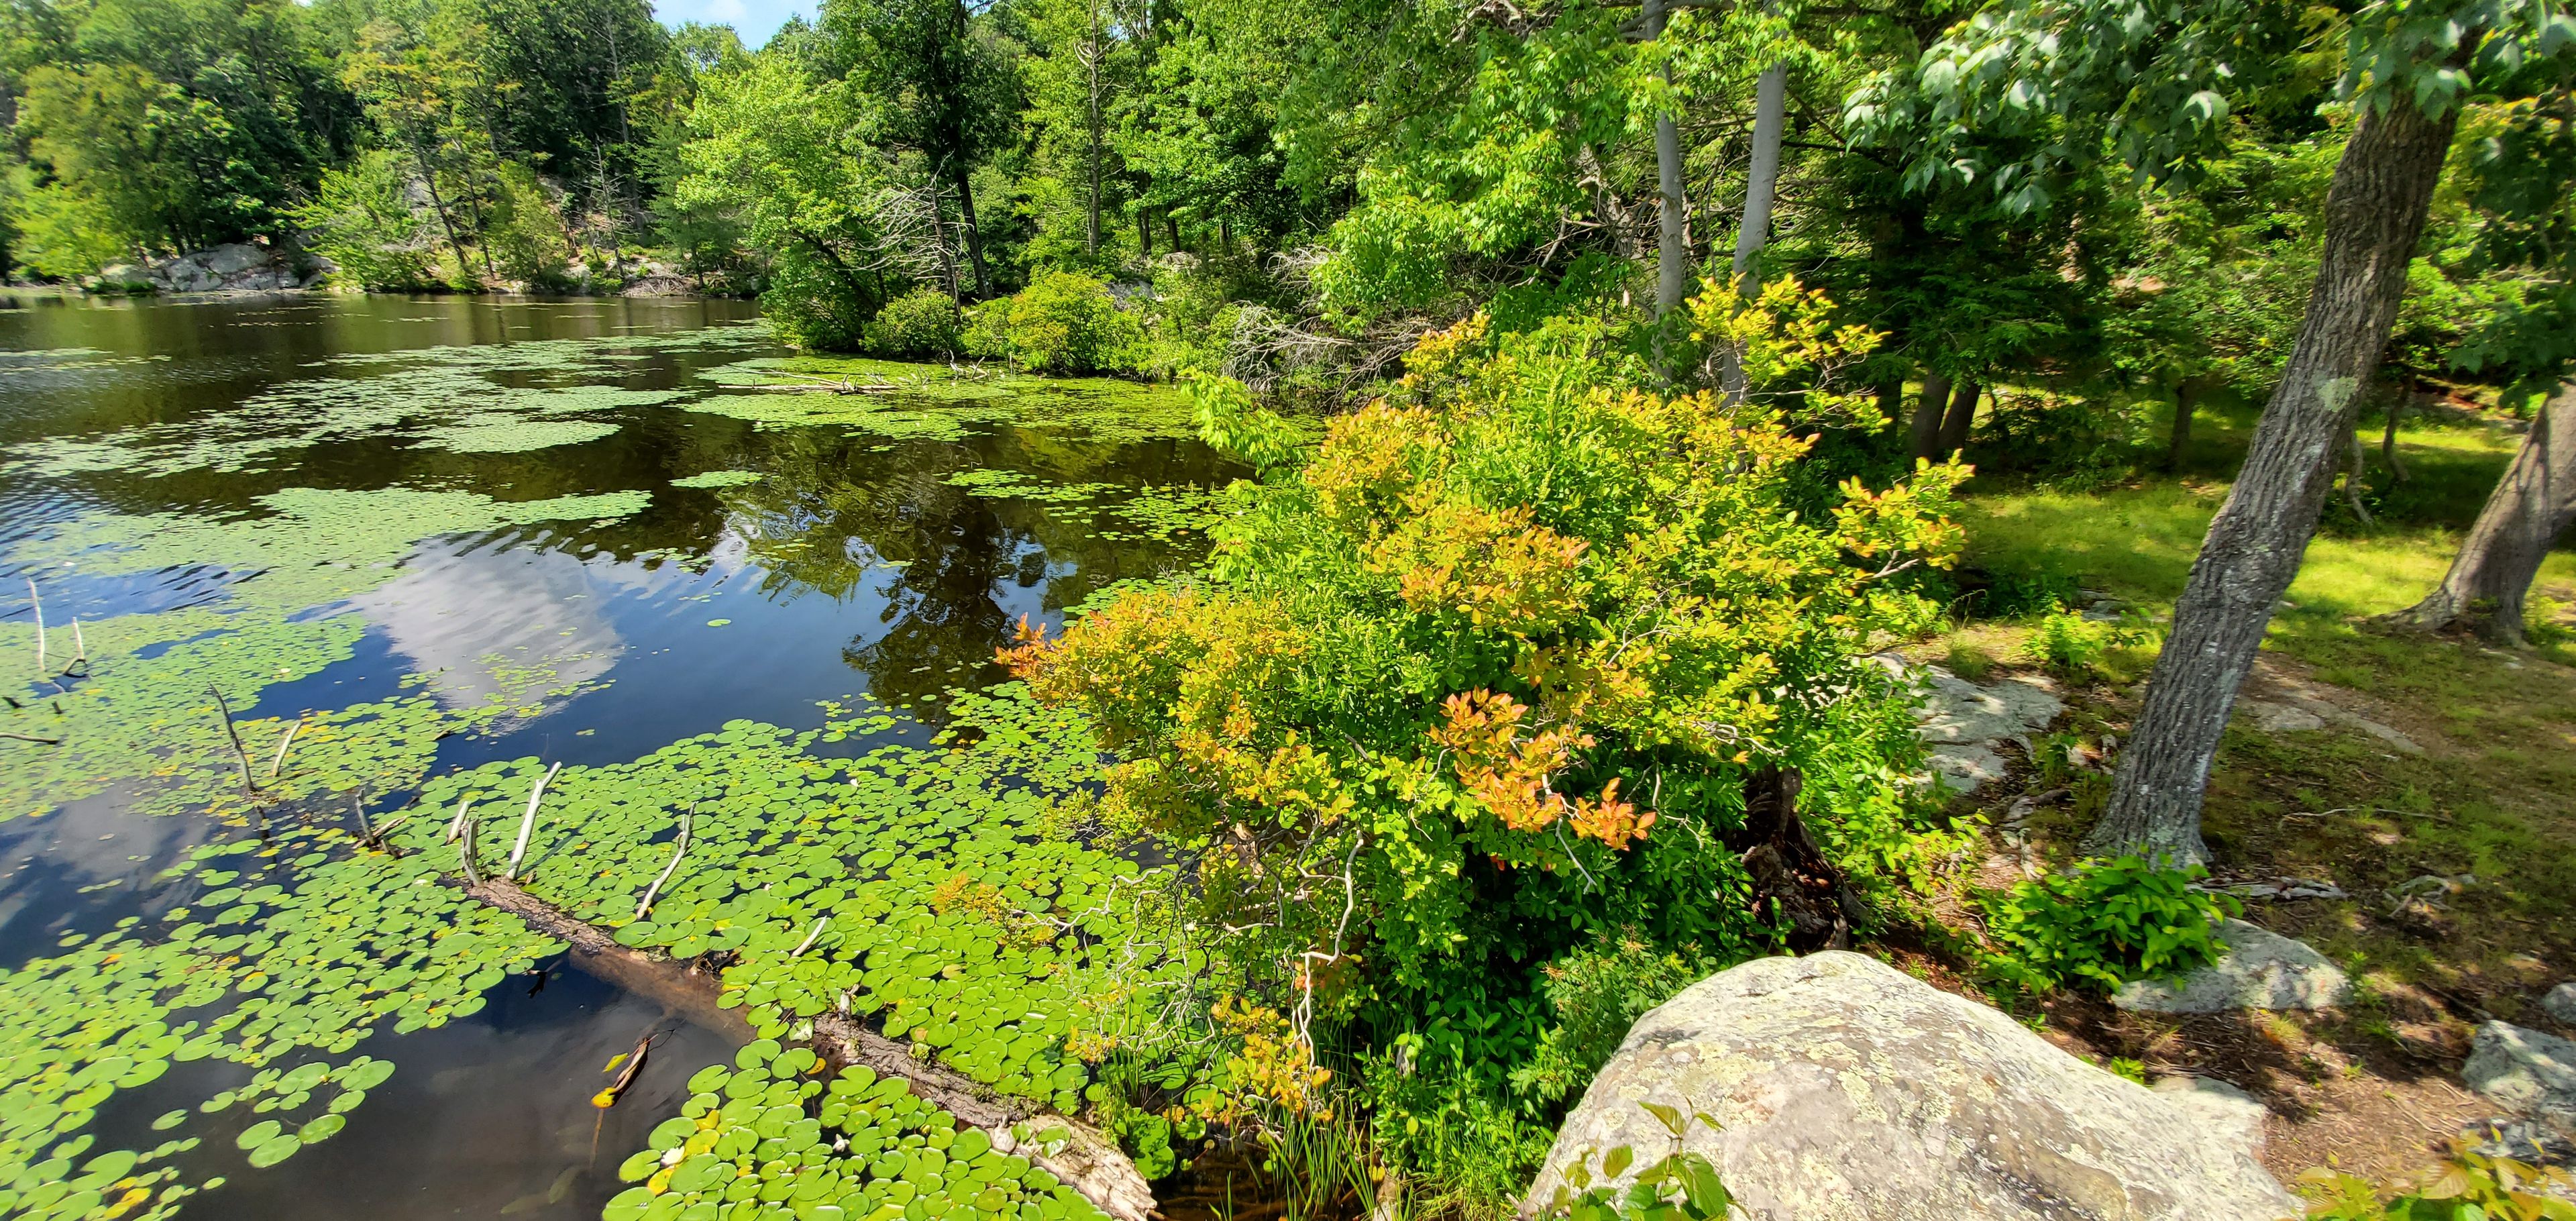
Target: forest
point(1626, 396)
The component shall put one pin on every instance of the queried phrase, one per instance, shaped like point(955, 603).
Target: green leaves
point(2106, 923)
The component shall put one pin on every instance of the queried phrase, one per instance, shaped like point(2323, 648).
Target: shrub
point(525, 230)
point(1488, 668)
point(2073, 647)
point(2471, 1186)
point(923, 322)
point(1598, 991)
point(2105, 924)
point(1063, 322)
point(362, 220)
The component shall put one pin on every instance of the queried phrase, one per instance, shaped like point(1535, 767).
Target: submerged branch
point(1086, 1159)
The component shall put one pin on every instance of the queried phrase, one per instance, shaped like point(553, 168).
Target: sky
point(755, 20)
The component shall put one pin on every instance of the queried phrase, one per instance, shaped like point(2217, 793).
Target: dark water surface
point(871, 557)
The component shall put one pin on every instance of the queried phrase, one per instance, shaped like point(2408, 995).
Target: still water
point(601, 527)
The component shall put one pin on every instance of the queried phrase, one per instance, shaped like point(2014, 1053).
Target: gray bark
point(2375, 213)
point(1928, 412)
point(2530, 507)
point(1672, 248)
point(1770, 115)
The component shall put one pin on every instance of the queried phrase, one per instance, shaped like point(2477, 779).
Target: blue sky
point(755, 20)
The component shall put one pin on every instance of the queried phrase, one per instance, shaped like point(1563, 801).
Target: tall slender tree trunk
point(1928, 413)
point(437, 204)
point(1091, 65)
point(1770, 116)
point(1961, 419)
point(1145, 232)
point(2186, 403)
point(974, 238)
point(1672, 247)
point(2374, 215)
point(2530, 507)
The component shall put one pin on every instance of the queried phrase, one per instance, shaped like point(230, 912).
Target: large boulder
point(2260, 970)
point(2531, 1072)
point(1843, 1089)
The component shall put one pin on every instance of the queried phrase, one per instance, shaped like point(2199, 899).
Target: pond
point(315, 571)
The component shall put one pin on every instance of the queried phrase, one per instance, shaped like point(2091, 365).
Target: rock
point(2530, 1072)
point(1843, 1089)
point(2519, 1139)
point(2280, 718)
point(2260, 970)
point(1956, 710)
point(1965, 768)
point(1963, 722)
point(2561, 1003)
point(230, 259)
point(232, 267)
point(2230, 1115)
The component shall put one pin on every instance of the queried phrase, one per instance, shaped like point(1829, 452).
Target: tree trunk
point(2374, 215)
point(2186, 402)
point(2528, 510)
point(1092, 65)
point(1672, 247)
point(429, 179)
point(1145, 234)
point(1928, 411)
point(1770, 115)
point(1172, 228)
point(974, 238)
point(1962, 418)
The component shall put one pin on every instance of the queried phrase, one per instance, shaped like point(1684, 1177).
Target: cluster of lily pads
point(776, 1136)
point(286, 953)
point(940, 891)
point(929, 888)
point(453, 398)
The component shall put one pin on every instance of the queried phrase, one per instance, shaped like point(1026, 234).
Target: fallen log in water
point(1086, 1159)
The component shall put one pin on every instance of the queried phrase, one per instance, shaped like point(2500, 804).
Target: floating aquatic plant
point(718, 479)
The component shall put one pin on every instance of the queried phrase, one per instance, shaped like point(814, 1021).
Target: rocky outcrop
point(233, 267)
point(1841, 1088)
point(2532, 1073)
point(1962, 722)
point(2260, 970)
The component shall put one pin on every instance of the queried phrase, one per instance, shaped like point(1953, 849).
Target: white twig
point(282, 744)
point(456, 825)
point(808, 942)
point(679, 848)
point(40, 626)
point(527, 824)
point(80, 648)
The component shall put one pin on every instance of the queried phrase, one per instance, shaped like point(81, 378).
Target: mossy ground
point(2373, 1089)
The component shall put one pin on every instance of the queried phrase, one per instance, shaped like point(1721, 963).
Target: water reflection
point(857, 562)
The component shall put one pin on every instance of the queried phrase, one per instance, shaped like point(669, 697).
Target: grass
point(2481, 820)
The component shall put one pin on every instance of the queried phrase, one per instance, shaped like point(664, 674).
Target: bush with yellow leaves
point(1485, 668)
